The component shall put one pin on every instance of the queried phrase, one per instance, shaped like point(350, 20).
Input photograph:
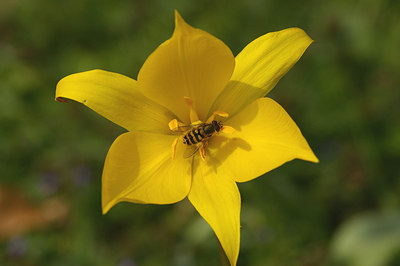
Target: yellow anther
point(228, 129)
point(193, 114)
point(221, 113)
point(196, 123)
point(173, 125)
point(217, 113)
point(188, 101)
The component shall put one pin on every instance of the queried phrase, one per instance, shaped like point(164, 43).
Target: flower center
point(195, 136)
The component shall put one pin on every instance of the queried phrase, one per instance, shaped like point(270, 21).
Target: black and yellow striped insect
point(198, 136)
point(201, 132)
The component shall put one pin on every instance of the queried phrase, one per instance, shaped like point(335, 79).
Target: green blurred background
point(343, 94)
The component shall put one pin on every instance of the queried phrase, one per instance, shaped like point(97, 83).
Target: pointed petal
point(259, 66)
point(117, 98)
point(139, 168)
point(193, 63)
point(265, 138)
point(216, 197)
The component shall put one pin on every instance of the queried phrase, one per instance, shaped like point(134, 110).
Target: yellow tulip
point(190, 79)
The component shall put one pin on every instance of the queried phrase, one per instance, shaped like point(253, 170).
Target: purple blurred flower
point(49, 183)
point(17, 246)
point(82, 175)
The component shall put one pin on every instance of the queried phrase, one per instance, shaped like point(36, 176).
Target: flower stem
point(223, 258)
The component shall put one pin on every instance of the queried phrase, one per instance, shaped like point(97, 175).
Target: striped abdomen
point(194, 136)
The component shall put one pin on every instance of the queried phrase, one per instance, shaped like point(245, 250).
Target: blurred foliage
point(343, 93)
point(368, 240)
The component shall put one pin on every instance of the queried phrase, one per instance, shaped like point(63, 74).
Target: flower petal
point(259, 66)
point(117, 98)
point(193, 63)
point(139, 169)
point(265, 138)
point(216, 197)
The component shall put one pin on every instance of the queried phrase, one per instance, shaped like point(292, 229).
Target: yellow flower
point(190, 79)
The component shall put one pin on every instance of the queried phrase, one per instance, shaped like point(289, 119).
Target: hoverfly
point(201, 132)
point(198, 136)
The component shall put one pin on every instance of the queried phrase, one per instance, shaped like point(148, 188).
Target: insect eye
point(216, 125)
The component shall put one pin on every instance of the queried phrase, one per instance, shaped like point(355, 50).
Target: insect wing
point(187, 128)
point(182, 130)
point(191, 150)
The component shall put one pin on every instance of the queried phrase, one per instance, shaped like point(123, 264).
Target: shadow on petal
point(222, 147)
point(235, 97)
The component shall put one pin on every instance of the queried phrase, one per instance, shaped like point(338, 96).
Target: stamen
point(196, 123)
point(193, 114)
point(228, 129)
point(202, 151)
point(217, 113)
point(174, 147)
point(188, 101)
point(175, 125)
